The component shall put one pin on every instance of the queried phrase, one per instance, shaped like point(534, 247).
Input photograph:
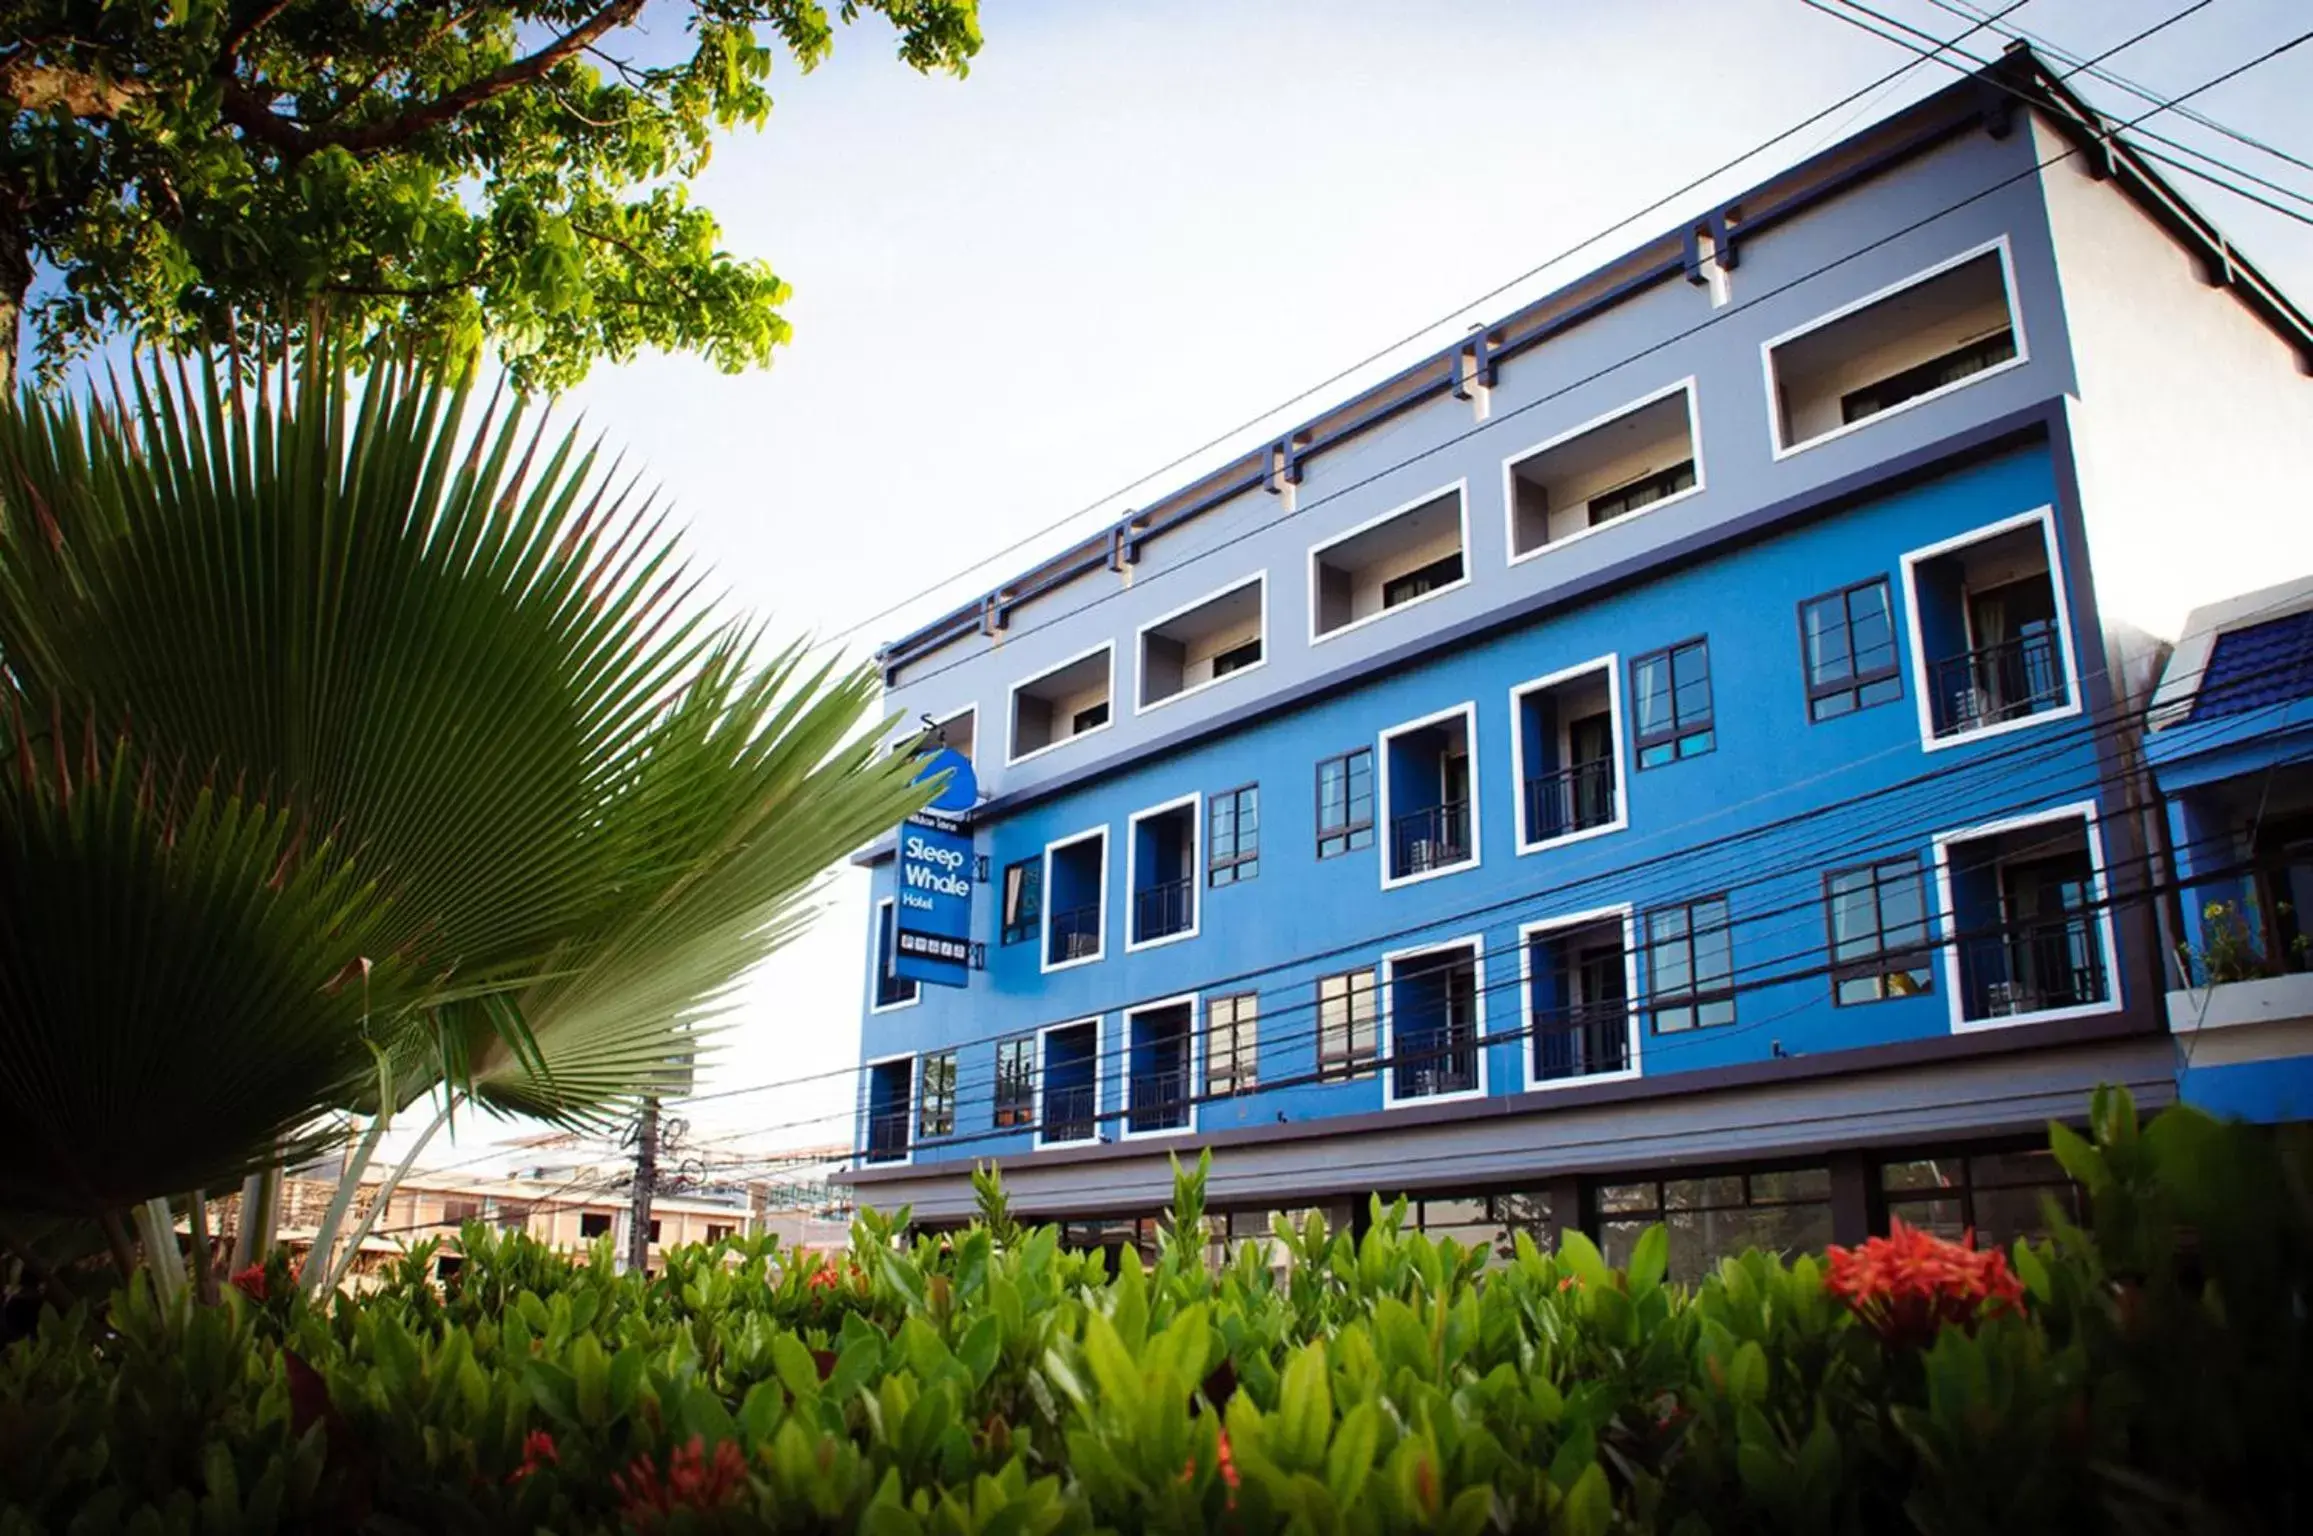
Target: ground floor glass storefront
point(1785, 1211)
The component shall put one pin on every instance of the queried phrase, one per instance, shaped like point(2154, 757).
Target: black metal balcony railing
point(2005, 681)
point(1075, 933)
point(1440, 1064)
point(1069, 1113)
point(1159, 1102)
point(887, 1135)
point(1159, 911)
point(1430, 839)
point(2034, 967)
point(1582, 1040)
point(1571, 800)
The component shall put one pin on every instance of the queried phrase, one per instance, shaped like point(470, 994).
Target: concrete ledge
point(2232, 1004)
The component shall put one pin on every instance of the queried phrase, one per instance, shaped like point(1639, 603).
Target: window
point(513, 1215)
point(1640, 456)
point(1346, 1016)
point(1690, 966)
point(1879, 931)
point(1442, 572)
point(720, 1231)
point(1429, 795)
point(1567, 752)
point(936, 1096)
point(1023, 900)
point(1848, 638)
point(1015, 1082)
point(1999, 1196)
point(1710, 1218)
point(1988, 620)
point(1235, 836)
point(1237, 658)
point(1075, 887)
point(1345, 803)
point(592, 1224)
point(1230, 1023)
point(1643, 492)
point(1925, 378)
point(1057, 706)
point(1087, 718)
point(654, 1231)
point(1161, 870)
point(1672, 692)
point(457, 1213)
point(891, 989)
point(1195, 647)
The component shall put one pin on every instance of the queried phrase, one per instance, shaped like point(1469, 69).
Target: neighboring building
point(1666, 756)
point(2232, 749)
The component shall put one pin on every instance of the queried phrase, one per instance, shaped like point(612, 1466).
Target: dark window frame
point(1924, 378)
point(1243, 1055)
point(1076, 721)
point(1014, 925)
point(1243, 862)
point(1016, 1082)
point(1681, 733)
point(935, 1109)
point(1857, 682)
point(1886, 961)
point(598, 1221)
point(892, 990)
point(1695, 999)
point(1347, 1063)
point(1234, 658)
point(1351, 834)
point(1663, 483)
point(1423, 580)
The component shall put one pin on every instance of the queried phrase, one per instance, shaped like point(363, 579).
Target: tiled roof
point(2256, 666)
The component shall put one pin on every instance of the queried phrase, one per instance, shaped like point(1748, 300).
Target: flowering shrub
point(1910, 1285)
point(2118, 1377)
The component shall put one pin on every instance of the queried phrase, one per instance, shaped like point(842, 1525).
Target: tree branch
point(32, 86)
point(252, 20)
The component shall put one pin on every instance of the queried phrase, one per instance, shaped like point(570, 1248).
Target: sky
point(1135, 229)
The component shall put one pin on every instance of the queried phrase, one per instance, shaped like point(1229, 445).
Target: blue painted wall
point(1771, 765)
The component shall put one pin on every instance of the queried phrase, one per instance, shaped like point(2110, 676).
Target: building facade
point(1672, 754)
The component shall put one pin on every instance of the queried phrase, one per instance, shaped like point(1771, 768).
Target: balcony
point(890, 1110)
point(1160, 1088)
point(1069, 1114)
point(1429, 795)
point(1160, 911)
point(1076, 934)
point(2244, 853)
point(1162, 872)
point(1056, 707)
point(2006, 680)
point(1578, 999)
point(1568, 748)
point(1400, 558)
point(887, 1136)
point(1070, 1101)
point(2033, 968)
point(1643, 456)
point(1075, 897)
point(2031, 929)
point(1925, 338)
point(1990, 619)
point(1434, 1021)
point(1160, 1102)
point(1217, 638)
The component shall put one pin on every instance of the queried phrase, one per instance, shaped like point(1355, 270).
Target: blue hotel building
point(1674, 753)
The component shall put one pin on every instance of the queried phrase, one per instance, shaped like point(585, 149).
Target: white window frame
point(1460, 489)
point(1195, 801)
point(1013, 757)
point(1633, 1036)
point(1196, 1067)
point(1384, 831)
point(1046, 965)
point(1259, 579)
point(867, 1109)
point(1612, 663)
point(2015, 325)
point(875, 959)
point(2045, 517)
point(1099, 1076)
point(2082, 811)
point(1476, 945)
point(1510, 470)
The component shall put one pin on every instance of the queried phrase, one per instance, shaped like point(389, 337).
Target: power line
point(1383, 352)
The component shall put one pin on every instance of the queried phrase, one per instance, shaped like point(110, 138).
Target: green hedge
point(2148, 1374)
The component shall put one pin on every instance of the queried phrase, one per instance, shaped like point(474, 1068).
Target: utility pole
point(646, 1180)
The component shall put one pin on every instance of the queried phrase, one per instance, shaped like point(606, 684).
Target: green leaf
point(1650, 1258)
point(1589, 1506)
point(1350, 1459)
point(1747, 1373)
point(1304, 1420)
point(797, 1371)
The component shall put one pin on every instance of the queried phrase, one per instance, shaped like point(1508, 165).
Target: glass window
point(1230, 1025)
point(1848, 639)
point(1345, 1024)
point(1644, 492)
point(1023, 900)
point(1712, 1218)
point(1441, 572)
point(1345, 803)
point(1016, 1081)
point(1879, 931)
point(1237, 657)
point(891, 989)
point(936, 1095)
point(593, 1224)
point(1234, 835)
point(2000, 1196)
point(1690, 966)
point(1673, 693)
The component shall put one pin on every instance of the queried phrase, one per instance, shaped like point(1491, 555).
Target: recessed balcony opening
point(1428, 787)
point(958, 731)
point(1569, 749)
point(1991, 635)
point(1197, 648)
point(1641, 458)
point(1164, 874)
point(1058, 706)
point(1405, 557)
point(890, 1110)
point(1578, 1000)
point(892, 990)
point(1071, 1084)
point(1925, 338)
point(1075, 879)
point(2028, 914)
point(1159, 1062)
point(1434, 1020)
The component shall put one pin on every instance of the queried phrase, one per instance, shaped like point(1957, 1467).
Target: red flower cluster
point(692, 1481)
point(537, 1451)
point(250, 1282)
point(1226, 1463)
point(1909, 1284)
point(825, 1278)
